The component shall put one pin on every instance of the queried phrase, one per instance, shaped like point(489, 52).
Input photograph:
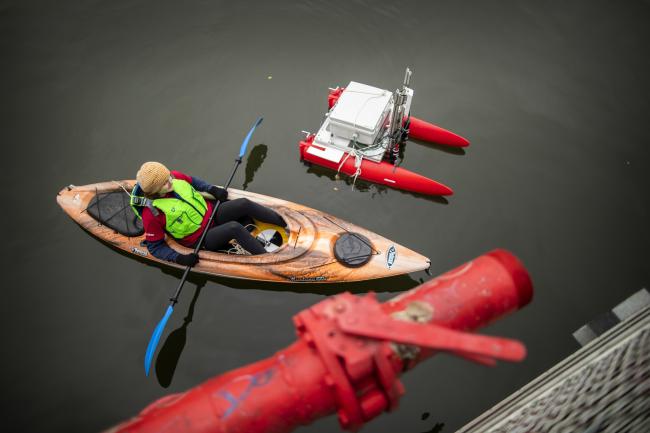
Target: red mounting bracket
point(353, 337)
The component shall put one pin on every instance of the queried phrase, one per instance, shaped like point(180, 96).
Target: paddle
point(157, 332)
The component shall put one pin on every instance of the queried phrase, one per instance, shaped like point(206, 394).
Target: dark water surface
point(554, 97)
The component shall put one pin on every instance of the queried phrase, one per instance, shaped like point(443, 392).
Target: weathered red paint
point(323, 373)
point(473, 295)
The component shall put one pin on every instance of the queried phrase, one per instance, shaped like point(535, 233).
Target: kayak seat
point(112, 209)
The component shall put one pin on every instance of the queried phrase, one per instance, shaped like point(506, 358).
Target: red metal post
point(471, 296)
point(335, 366)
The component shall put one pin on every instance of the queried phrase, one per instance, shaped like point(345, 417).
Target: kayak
point(316, 247)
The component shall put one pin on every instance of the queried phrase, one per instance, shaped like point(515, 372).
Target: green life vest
point(184, 215)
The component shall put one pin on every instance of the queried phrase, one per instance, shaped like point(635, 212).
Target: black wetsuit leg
point(218, 238)
point(228, 214)
point(234, 210)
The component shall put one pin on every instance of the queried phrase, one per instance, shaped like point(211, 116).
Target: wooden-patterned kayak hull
point(308, 256)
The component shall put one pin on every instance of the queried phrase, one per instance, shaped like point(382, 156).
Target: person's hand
point(187, 259)
point(218, 193)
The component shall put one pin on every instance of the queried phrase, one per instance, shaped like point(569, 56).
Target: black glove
point(218, 193)
point(187, 259)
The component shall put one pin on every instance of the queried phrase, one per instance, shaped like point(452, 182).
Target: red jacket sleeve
point(154, 226)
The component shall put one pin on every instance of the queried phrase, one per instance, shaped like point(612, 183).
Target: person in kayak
point(168, 202)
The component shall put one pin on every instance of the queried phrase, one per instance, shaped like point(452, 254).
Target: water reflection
point(437, 428)
point(397, 283)
point(364, 186)
point(171, 350)
point(254, 162)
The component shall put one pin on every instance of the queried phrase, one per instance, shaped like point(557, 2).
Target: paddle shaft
point(173, 300)
point(155, 337)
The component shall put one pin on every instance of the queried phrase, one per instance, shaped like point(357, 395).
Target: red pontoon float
point(362, 133)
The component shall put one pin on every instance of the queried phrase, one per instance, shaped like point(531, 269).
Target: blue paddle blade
point(242, 150)
point(155, 338)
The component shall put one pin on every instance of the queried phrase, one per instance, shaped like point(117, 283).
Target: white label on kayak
point(139, 252)
point(391, 256)
point(389, 180)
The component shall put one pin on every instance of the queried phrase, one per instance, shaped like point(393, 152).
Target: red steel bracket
point(353, 337)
